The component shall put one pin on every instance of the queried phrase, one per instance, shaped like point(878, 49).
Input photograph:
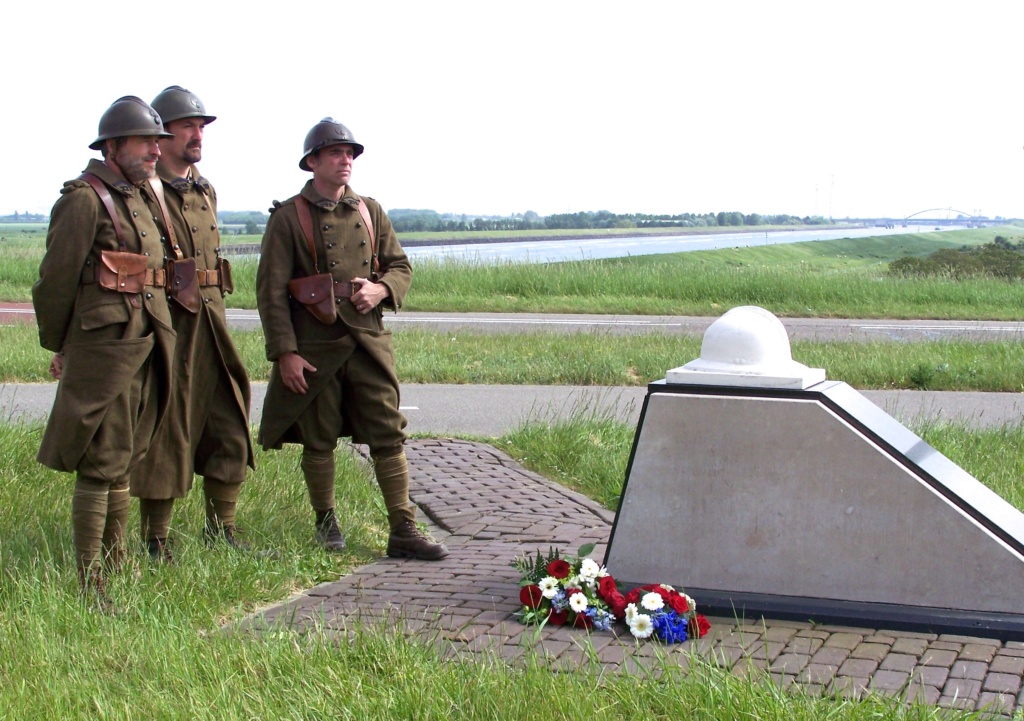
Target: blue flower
point(669, 627)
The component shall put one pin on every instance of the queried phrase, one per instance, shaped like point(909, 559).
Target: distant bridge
point(921, 217)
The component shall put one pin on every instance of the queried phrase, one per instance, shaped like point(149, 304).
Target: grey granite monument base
point(813, 505)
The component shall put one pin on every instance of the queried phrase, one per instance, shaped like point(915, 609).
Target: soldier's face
point(332, 165)
point(136, 156)
point(187, 143)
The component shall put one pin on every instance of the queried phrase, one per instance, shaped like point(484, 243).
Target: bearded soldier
point(208, 432)
point(102, 308)
point(329, 261)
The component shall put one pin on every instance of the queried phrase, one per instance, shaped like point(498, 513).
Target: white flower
point(578, 602)
point(589, 569)
point(603, 572)
point(548, 587)
point(666, 587)
point(641, 626)
point(631, 612)
point(690, 602)
point(571, 582)
point(652, 601)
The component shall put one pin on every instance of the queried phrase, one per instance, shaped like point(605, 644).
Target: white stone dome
point(746, 336)
point(747, 346)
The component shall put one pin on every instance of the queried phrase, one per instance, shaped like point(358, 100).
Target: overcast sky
point(842, 108)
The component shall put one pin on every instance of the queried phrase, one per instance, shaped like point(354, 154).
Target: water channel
point(546, 251)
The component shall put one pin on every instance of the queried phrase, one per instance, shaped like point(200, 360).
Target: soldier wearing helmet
point(329, 263)
point(102, 309)
point(208, 429)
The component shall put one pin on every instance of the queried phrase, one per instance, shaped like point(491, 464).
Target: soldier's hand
point(369, 295)
point(56, 366)
point(293, 372)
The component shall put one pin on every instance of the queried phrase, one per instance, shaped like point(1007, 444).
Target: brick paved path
point(488, 510)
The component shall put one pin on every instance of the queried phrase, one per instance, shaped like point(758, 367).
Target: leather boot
point(328, 535)
point(227, 532)
point(408, 541)
point(90, 583)
point(159, 550)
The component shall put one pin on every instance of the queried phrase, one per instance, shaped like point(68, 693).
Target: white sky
point(849, 108)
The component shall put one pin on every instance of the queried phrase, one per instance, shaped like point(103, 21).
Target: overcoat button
point(326, 227)
point(362, 243)
point(143, 234)
point(195, 229)
point(366, 262)
point(359, 225)
point(135, 214)
point(334, 263)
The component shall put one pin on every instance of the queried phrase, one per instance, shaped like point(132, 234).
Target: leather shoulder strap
point(158, 190)
point(108, 203)
point(368, 222)
point(306, 223)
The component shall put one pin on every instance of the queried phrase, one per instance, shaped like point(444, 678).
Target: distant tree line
point(25, 217)
point(407, 221)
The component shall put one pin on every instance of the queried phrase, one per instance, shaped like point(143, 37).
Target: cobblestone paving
point(489, 510)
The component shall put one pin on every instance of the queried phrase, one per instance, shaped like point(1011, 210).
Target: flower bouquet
point(662, 612)
point(565, 590)
point(580, 592)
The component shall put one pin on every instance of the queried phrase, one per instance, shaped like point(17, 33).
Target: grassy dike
point(171, 654)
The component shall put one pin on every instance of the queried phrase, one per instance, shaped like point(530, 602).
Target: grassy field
point(171, 653)
point(613, 360)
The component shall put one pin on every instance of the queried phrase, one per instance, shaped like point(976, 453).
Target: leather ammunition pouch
point(182, 283)
point(224, 281)
point(122, 271)
point(316, 293)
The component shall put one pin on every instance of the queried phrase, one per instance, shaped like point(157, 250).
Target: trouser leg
point(155, 517)
point(221, 502)
point(318, 470)
point(88, 519)
point(114, 528)
point(392, 473)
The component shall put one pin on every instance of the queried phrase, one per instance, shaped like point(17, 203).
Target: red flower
point(676, 602)
point(582, 620)
point(558, 618)
point(559, 568)
point(531, 596)
point(606, 587)
point(617, 604)
point(698, 626)
point(634, 596)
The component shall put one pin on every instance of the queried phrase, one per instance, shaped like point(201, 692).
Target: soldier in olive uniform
point(102, 308)
point(208, 431)
point(333, 364)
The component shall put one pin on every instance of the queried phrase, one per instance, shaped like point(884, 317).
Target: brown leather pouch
point(316, 293)
point(182, 283)
point(227, 284)
point(121, 271)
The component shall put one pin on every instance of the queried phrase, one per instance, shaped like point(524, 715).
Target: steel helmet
point(326, 133)
point(129, 116)
point(175, 103)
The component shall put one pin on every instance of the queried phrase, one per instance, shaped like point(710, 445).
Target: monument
point(763, 489)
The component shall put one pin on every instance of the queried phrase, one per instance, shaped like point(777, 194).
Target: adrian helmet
point(129, 116)
point(326, 133)
point(175, 103)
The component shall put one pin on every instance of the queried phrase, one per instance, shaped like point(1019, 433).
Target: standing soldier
point(330, 259)
point(101, 307)
point(208, 429)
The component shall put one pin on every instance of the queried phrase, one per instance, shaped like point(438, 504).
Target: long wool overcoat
point(90, 325)
point(343, 250)
point(204, 356)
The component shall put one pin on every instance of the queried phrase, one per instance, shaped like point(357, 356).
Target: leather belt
point(208, 277)
point(156, 277)
point(342, 289)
